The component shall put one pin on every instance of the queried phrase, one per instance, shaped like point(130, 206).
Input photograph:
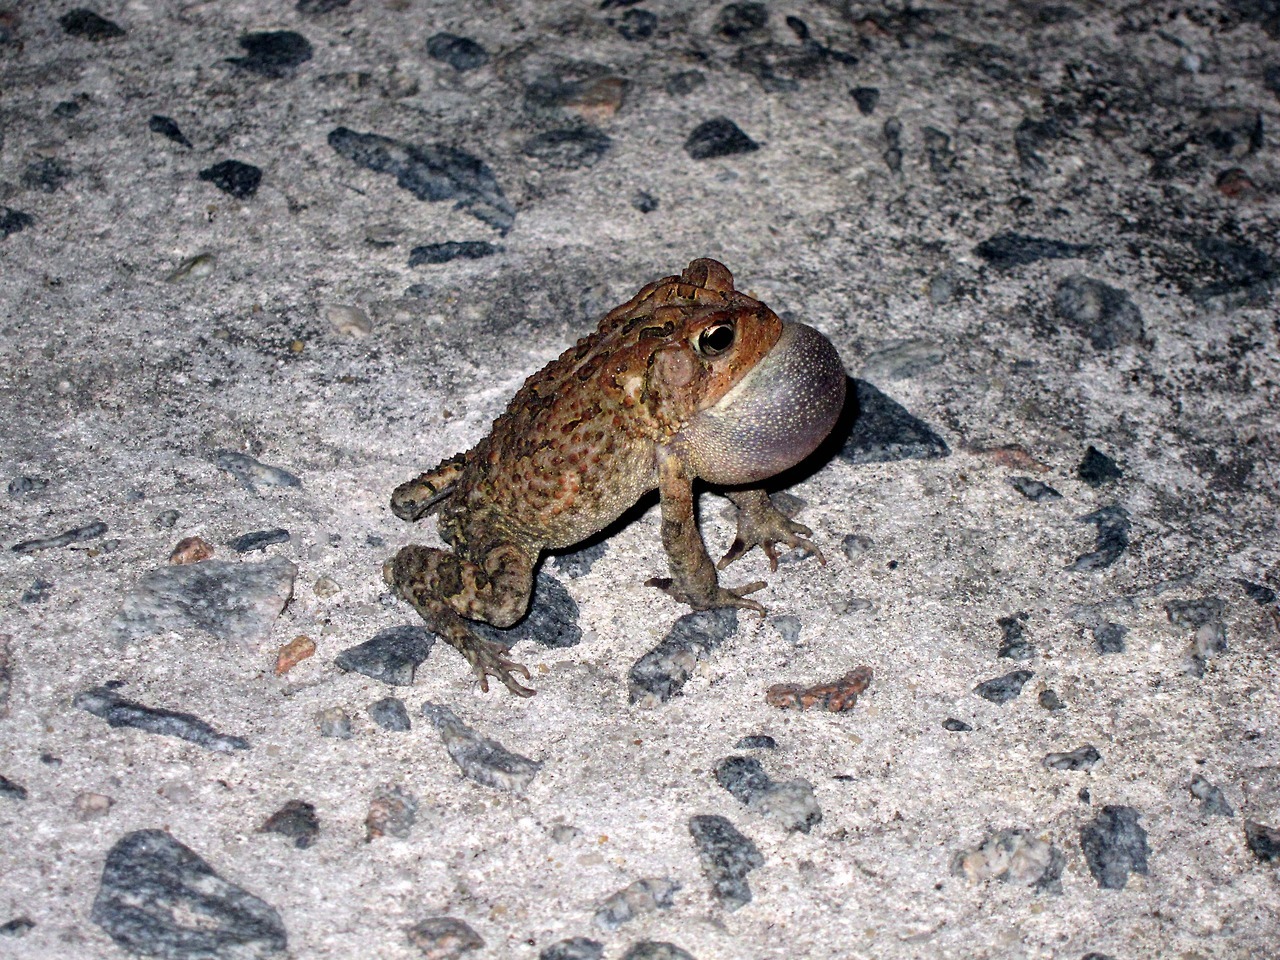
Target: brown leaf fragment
point(836, 696)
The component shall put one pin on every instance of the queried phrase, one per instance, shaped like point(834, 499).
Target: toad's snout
point(775, 416)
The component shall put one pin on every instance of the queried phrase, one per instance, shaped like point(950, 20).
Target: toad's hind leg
point(445, 588)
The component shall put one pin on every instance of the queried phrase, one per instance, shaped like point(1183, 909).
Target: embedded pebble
point(686, 82)
point(392, 813)
point(656, 950)
point(38, 592)
point(1257, 592)
point(11, 789)
point(1113, 538)
point(435, 253)
point(867, 98)
point(1014, 644)
point(46, 175)
point(638, 25)
point(444, 938)
point(334, 722)
point(738, 22)
point(1005, 250)
point(234, 177)
point(190, 550)
point(578, 563)
point(835, 696)
point(855, 545)
point(105, 703)
point(13, 221)
point(955, 726)
point(644, 201)
point(348, 321)
point(643, 896)
point(293, 653)
point(259, 540)
point(21, 486)
point(552, 620)
point(167, 127)
point(885, 431)
point(275, 54)
point(1081, 758)
point(1005, 688)
point(1213, 802)
point(390, 714)
point(461, 53)
point(1102, 313)
point(193, 268)
point(90, 531)
point(1205, 617)
point(1263, 841)
point(157, 897)
point(788, 627)
point(1249, 274)
point(718, 137)
point(940, 153)
point(662, 672)
point(90, 806)
point(1097, 469)
point(1109, 637)
point(253, 473)
point(318, 7)
point(758, 741)
point(232, 601)
point(571, 149)
point(727, 856)
point(391, 655)
point(480, 759)
point(17, 927)
point(1114, 846)
point(6, 675)
point(1034, 490)
point(88, 25)
point(574, 948)
point(296, 820)
point(791, 803)
point(432, 172)
point(326, 587)
point(1050, 700)
point(1015, 857)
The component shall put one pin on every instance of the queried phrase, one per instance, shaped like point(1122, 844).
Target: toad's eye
point(715, 340)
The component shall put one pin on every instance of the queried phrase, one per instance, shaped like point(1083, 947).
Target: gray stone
point(105, 703)
point(1102, 313)
point(662, 672)
point(252, 473)
point(1213, 802)
point(1015, 857)
point(574, 948)
point(1005, 688)
point(390, 714)
point(1081, 758)
point(480, 759)
point(444, 938)
point(90, 531)
point(727, 857)
point(1034, 490)
point(643, 896)
point(1114, 846)
point(790, 803)
point(1007, 250)
point(656, 950)
point(392, 655)
point(1113, 538)
point(296, 820)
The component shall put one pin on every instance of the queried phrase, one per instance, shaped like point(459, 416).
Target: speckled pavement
point(260, 263)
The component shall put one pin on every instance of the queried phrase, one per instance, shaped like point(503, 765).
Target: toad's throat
point(775, 416)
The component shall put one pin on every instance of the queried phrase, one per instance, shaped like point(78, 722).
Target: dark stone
point(296, 820)
point(662, 672)
point(643, 896)
point(67, 109)
point(743, 777)
point(1213, 802)
point(1248, 274)
point(1081, 758)
point(867, 98)
point(798, 27)
point(13, 221)
point(578, 563)
point(1263, 841)
point(1097, 468)
point(480, 759)
point(317, 7)
point(937, 147)
point(778, 67)
point(1113, 538)
point(1030, 137)
point(17, 927)
point(758, 741)
point(1050, 700)
point(1034, 490)
point(11, 789)
point(105, 703)
point(1005, 688)
point(1109, 637)
point(552, 620)
point(718, 137)
point(884, 431)
point(955, 726)
point(1257, 592)
point(434, 253)
point(1102, 313)
point(432, 173)
point(38, 592)
point(638, 25)
point(389, 713)
point(46, 175)
point(240, 180)
point(159, 898)
point(684, 83)
point(167, 127)
point(727, 857)
point(444, 938)
point(575, 948)
point(20, 486)
point(1193, 614)
point(571, 149)
point(1114, 846)
point(88, 25)
point(253, 473)
point(741, 21)
point(273, 53)
point(1006, 250)
point(259, 540)
point(392, 813)
point(644, 201)
point(1014, 644)
point(391, 655)
point(461, 53)
point(90, 531)
point(1233, 131)
point(656, 950)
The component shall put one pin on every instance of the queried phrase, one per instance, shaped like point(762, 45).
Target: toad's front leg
point(693, 577)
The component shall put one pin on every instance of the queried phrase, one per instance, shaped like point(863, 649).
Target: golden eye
point(715, 340)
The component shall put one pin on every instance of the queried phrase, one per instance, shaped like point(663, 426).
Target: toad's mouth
point(775, 416)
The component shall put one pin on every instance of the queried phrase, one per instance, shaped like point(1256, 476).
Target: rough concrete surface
point(1040, 228)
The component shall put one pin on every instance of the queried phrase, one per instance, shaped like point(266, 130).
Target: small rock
point(233, 177)
point(571, 149)
point(293, 653)
point(38, 592)
point(391, 655)
point(1235, 132)
point(643, 896)
point(662, 672)
point(835, 696)
point(1034, 490)
point(866, 98)
point(684, 83)
point(392, 812)
point(1014, 644)
point(318, 7)
point(190, 550)
point(638, 25)
point(788, 627)
point(461, 53)
point(296, 820)
point(21, 486)
point(1005, 688)
point(1263, 841)
point(1109, 637)
point(168, 128)
point(348, 321)
point(955, 726)
point(644, 201)
point(11, 789)
point(17, 927)
point(13, 221)
point(334, 722)
point(739, 22)
point(46, 175)
point(792, 804)
point(435, 253)
point(193, 268)
point(91, 806)
point(259, 540)
point(90, 531)
point(480, 759)
point(575, 948)
point(1114, 846)
point(326, 587)
point(855, 545)
point(942, 158)
point(1235, 184)
point(884, 431)
point(389, 713)
point(1050, 700)
point(1213, 802)
point(1030, 137)
point(656, 950)
point(1113, 538)
point(758, 741)
point(88, 25)
point(1097, 468)
point(166, 519)
point(1014, 857)
point(1104, 314)
point(718, 137)
point(275, 54)
point(106, 704)
point(444, 938)
point(727, 857)
point(1007, 250)
point(1081, 758)
point(158, 898)
point(941, 289)
point(1191, 614)
point(1257, 592)
point(252, 473)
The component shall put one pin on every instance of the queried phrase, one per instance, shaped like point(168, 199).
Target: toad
point(689, 379)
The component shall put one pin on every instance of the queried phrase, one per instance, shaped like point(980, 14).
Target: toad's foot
point(714, 598)
point(488, 659)
point(760, 524)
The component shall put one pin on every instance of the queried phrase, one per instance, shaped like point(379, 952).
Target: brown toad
point(687, 379)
